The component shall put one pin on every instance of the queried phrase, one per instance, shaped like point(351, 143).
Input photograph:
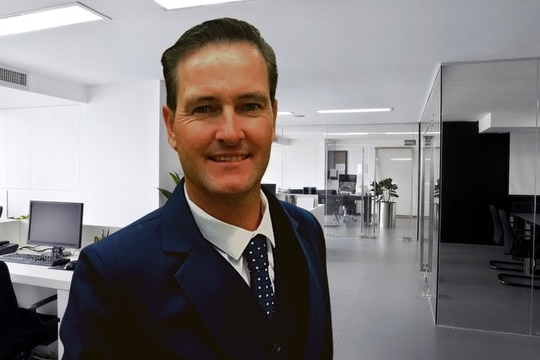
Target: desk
point(41, 276)
point(530, 218)
point(353, 205)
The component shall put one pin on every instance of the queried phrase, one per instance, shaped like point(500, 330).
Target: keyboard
point(33, 259)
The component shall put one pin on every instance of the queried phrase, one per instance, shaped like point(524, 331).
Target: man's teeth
point(228, 158)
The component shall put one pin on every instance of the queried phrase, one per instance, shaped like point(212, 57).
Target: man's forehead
point(222, 51)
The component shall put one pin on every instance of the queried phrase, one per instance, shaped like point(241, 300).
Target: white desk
point(42, 276)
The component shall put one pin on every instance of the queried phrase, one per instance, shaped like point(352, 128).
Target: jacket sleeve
point(89, 328)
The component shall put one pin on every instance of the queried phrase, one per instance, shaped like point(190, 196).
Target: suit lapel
point(218, 294)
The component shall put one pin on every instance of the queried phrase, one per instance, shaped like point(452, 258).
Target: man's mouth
point(228, 158)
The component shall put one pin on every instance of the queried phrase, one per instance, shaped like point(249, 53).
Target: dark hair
point(225, 30)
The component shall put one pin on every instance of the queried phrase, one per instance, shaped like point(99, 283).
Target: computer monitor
point(55, 224)
point(347, 183)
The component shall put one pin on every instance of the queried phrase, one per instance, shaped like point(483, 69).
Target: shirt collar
point(229, 238)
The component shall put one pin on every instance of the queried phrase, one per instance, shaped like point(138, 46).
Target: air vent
point(12, 76)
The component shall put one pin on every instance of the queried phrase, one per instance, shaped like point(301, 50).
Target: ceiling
point(331, 54)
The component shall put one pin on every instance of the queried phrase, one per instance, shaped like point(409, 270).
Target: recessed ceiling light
point(349, 111)
point(290, 113)
point(179, 4)
point(73, 13)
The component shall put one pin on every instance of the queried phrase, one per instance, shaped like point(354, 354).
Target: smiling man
point(223, 270)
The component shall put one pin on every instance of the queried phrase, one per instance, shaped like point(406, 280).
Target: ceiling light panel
point(179, 4)
point(351, 111)
point(69, 14)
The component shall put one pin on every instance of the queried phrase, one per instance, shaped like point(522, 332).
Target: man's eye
point(252, 107)
point(202, 109)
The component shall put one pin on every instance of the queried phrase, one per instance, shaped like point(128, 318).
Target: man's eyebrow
point(198, 99)
point(193, 101)
point(255, 96)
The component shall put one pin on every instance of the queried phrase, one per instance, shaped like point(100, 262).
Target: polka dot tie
point(256, 255)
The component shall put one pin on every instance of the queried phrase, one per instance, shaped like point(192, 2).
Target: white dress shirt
point(230, 241)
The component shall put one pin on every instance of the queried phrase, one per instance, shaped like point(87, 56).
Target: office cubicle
point(490, 156)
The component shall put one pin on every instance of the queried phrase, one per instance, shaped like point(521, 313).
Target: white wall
point(304, 163)
point(104, 153)
point(40, 156)
point(274, 171)
point(120, 152)
point(524, 164)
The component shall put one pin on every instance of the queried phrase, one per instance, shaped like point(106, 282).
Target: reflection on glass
point(489, 176)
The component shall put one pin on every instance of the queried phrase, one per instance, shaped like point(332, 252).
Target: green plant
point(436, 190)
point(176, 178)
point(384, 190)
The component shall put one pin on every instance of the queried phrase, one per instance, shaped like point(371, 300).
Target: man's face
point(224, 122)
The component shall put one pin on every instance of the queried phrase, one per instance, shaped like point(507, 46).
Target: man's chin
point(234, 188)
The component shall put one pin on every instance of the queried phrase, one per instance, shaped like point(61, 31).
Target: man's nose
point(230, 127)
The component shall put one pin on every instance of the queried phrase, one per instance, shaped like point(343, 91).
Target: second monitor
point(347, 184)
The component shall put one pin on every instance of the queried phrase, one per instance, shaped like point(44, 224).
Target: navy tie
point(256, 255)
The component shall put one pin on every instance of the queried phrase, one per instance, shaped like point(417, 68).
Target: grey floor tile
point(379, 311)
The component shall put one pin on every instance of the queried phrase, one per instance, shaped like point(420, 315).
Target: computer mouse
point(70, 265)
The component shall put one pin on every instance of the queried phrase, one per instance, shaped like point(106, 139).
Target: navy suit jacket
point(158, 290)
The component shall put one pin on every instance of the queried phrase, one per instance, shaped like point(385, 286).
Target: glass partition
point(429, 184)
point(339, 164)
point(489, 191)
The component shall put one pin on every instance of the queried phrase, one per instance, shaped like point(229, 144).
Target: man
point(177, 283)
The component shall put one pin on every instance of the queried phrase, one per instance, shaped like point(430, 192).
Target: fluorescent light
point(69, 14)
point(412, 133)
point(285, 113)
point(348, 111)
point(179, 4)
point(347, 134)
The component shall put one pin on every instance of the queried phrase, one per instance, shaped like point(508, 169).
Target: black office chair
point(498, 238)
point(21, 330)
point(497, 226)
point(520, 244)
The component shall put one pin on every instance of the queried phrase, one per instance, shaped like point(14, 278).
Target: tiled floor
point(379, 311)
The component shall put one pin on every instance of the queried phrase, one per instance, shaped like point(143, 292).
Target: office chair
point(498, 238)
point(497, 226)
point(517, 241)
point(521, 245)
point(21, 330)
point(347, 187)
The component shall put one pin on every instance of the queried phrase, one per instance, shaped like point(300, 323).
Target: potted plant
point(385, 191)
point(176, 179)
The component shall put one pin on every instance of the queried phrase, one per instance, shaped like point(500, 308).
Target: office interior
point(472, 142)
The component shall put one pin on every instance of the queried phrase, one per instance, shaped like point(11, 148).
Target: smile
point(228, 158)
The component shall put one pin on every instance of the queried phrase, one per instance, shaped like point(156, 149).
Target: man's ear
point(168, 117)
point(275, 110)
